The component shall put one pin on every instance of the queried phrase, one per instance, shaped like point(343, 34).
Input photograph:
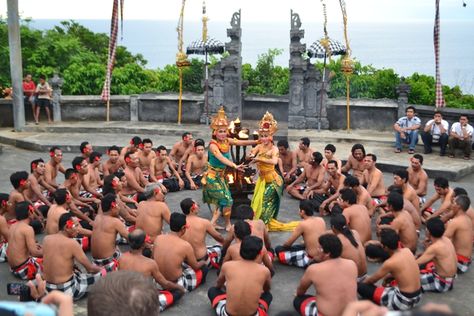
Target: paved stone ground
point(285, 280)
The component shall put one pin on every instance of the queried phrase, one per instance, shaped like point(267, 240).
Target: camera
point(21, 290)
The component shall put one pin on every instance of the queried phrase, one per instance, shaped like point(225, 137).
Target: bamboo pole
point(180, 100)
point(108, 109)
point(348, 105)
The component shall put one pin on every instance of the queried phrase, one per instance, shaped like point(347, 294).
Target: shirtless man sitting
point(61, 253)
point(459, 230)
point(104, 234)
point(303, 153)
point(310, 228)
point(288, 161)
point(247, 283)
point(329, 152)
point(175, 256)
point(114, 163)
point(334, 280)
point(145, 157)
point(82, 207)
point(400, 179)
point(439, 259)
point(402, 222)
point(180, 151)
point(135, 261)
point(199, 228)
point(417, 177)
point(158, 170)
point(310, 179)
point(152, 212)
point(407, 206)
point(126, 205)
point(400, 266)
point(196, 165)
point(352, 247)
point(355, 162)
point(332, 187)
point(363, 196)
point(92, 177)
point(373, 177)
point(24, 254)
point(86, 150)
point(53, 166)
point(84, 180)
point(357, 216)
point(37, 182)
point(134, 146)
point(135, 179)
point(4, 232)
point(443, 193)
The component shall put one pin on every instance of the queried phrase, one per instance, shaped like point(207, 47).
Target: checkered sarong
point(214, 256)
point(191, 279)
point(83, 241)
point(392, 298)
point(166, 298)
point(219, 303)
point(77, 286)
point(422, 200)
point(379, 200)
point(293, 256)
point(109, 264)
point(28, 269)
point(3, 251)
point(463, 263)
point(308, 306)
point(432, 282)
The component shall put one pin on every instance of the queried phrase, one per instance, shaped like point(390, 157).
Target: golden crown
point(220, 120)
point(268, 124)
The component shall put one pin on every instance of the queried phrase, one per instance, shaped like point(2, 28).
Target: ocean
point(405, 47)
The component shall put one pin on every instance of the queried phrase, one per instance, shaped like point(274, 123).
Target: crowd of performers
point(101, 205)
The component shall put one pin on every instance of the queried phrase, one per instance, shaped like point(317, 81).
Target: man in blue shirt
point(406, 131)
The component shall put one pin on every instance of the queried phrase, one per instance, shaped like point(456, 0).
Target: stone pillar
point(312, 100)
point(403, 89)
point(56, 83)
point(134, 108)
point(297, 67)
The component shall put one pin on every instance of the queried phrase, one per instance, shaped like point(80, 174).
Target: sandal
point(398, 150)
point(411, 151)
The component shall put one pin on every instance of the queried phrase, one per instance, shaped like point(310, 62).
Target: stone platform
point(68, 136)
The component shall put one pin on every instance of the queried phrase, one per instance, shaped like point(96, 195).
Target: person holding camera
point(436, 131)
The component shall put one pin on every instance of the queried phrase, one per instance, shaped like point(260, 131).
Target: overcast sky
point(252, 10)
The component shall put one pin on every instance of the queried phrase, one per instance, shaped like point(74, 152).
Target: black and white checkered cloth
point(168, 298)
point(77, 287)
point(191, 279)
point(3, 251)
point(214, 256)
point(432, 282)
point(28, 269)
point(463, 263)
point(294, 256)
point(392, 298)
point(109, 264)
point(317, 49)
point(306, 305)
point(211, 46)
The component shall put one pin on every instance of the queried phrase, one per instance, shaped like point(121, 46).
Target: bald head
point(136, 239)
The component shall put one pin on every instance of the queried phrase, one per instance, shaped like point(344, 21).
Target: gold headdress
point(220, 120)
point(268, 124)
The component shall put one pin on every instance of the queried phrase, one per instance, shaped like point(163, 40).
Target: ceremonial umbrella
point(325, 48)
point(208, 47)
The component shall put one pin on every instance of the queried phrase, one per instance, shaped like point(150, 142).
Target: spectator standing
point(44, 98)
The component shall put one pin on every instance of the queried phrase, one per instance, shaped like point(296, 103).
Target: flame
point(248, 180)
point(231, 178)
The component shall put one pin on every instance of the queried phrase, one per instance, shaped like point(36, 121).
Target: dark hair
point(339, 223)
point(107, 201)
point(242, 229)
point(186, 205)
point(199, 142)
point(331, 245)
point(53, 149)
point(459, 191)
point(330, 147)
point(244, 211)
point(307, 207)
point(305, 141)
point(435, 226)
point(185, 134)
point(17, 177)
point(395, 200)
point(438, 112)
point(283, 143)
point(419, 157)
point(464, 115)
point(351, 181)
point(22, 210)
point(119, 174)
point(160, 148)
point(358, 146)
point(389, 238)
point(36, 163)
point(69, 172)
point(250, 247)
point(393, 188)
point(332, 162)
point(83, 146)
point(402, 173)
point(348, 195)
point(108, 188)
point(125, 293)
point(42, 77)
point(441, 182)
point(136, 239)
point(112, 148)
point(374, 157)
point(141, 197)
point(93, 156)
point(63, 220)
point(135, 141)
point(127, 155)
point(317, 157)
point(177, 221)
point(463, 201)
point(77, 161)
point(3, 198)
point(147, 141)
point(410, 108)
point(60, 196)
